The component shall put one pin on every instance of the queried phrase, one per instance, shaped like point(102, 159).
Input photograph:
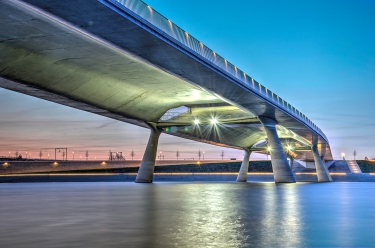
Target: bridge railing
point(165, 25)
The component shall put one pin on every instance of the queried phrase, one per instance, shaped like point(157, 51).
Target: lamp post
point(73, 155)
point(203, 155)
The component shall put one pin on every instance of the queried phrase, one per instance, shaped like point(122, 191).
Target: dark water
point(187, 215)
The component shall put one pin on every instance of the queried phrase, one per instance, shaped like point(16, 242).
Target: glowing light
point(5, 164)
point(289, 148)
point(103, 163)
point(55, 164)
point(196, 121)
point(198, 163)
point(268, 148)
point(214, 121)
point(343, 154)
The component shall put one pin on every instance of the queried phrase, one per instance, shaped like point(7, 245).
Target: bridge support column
point(291, 161)
point(282, 172)
point(321, 169)
point(146, 169)
point(242, 174)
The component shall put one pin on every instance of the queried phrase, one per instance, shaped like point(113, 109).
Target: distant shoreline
point(174, 177)
point(121, 171)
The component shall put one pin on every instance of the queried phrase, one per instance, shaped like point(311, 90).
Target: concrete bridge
point(122, 59)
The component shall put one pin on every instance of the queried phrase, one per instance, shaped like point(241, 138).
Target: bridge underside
point(84, 55)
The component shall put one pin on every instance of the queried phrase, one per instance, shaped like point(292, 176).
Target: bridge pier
point(146, 169)
point(321, 170)
point(282, 172)
point(242, 174)
point(291, 161)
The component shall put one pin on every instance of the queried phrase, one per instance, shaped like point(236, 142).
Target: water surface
point(113, 214)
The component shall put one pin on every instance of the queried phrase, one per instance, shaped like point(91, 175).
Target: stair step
point(353, 166)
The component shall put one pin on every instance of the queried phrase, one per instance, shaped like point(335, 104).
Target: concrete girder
point(119, 69)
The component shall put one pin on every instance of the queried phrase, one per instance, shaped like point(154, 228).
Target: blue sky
point(317, 55)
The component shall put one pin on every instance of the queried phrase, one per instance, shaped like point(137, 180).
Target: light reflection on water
point(187, 215)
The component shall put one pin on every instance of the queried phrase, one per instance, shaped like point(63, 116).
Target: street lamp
point(343, 156)
point(203, 155)
point(73, 155)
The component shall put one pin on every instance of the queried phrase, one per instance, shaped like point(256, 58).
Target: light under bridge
point(123, 60)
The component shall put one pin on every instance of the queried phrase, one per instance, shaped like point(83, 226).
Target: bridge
point(123, 60)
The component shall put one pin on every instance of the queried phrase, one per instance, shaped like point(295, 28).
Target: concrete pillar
point(146, 170)
point(321, 169)
point(242, 174)
point(282, 172)
point(291, 160)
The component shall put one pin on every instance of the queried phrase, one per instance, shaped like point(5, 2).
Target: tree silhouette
point(87, 155)
point(222, 155)
point(199, 154)
point(132, 154)
point(177, 154)
point(40, 155)
point(354, 153)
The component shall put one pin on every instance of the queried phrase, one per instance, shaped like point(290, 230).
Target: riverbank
point(174, 177)
point(165, 171)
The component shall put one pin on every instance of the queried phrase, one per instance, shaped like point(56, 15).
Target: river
point(187, 214)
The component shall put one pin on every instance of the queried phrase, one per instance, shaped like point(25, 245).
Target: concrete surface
point(120, 63)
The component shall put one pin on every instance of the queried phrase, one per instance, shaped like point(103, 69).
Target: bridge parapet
point(165, 29)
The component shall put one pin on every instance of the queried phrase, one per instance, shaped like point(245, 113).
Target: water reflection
point(186, 215)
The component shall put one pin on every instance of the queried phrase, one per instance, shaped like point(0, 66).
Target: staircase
point(353, 166)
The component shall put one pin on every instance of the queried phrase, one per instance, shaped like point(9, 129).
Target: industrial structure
point(122, 59)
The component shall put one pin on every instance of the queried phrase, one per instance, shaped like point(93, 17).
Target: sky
point(317, 55)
